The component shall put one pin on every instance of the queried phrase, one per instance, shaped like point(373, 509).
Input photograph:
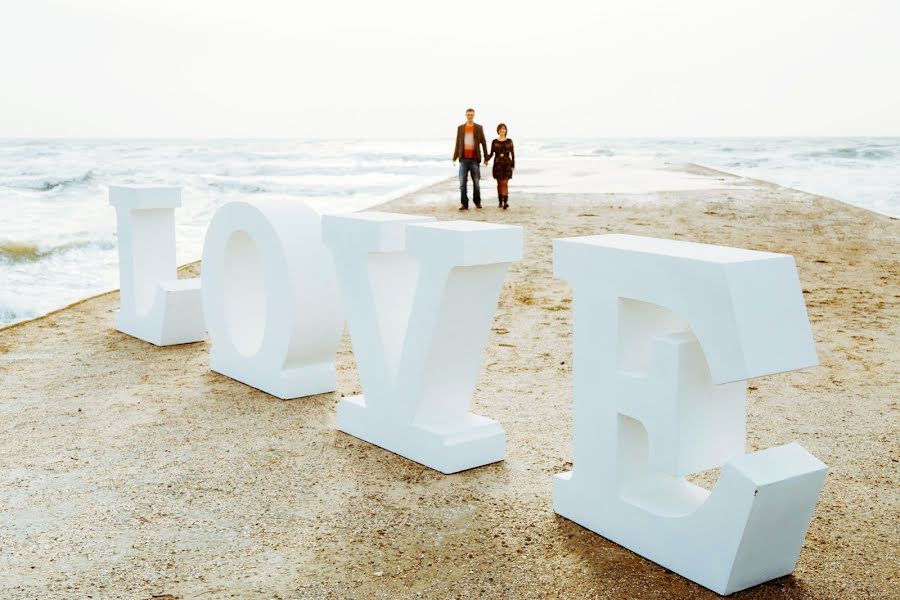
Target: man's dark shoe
point(478, 205)
point(463, 208)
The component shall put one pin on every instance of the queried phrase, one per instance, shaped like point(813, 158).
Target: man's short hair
point(468, 110)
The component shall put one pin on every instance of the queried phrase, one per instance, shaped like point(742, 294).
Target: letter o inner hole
point(245, 294)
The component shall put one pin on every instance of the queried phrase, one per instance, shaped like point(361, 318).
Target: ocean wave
point(237, 186)
point(9, 315)
point(877, 154)
point(553, 146)
point(582, 151)
point(24, 252)
point(313, 182)
point(46, 185)
point(386, 157)
point(865, 153)
point(748, 163)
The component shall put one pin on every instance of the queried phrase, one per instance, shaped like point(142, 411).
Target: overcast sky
point(260, 68)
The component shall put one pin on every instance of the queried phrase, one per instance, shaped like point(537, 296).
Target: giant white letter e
point(666, 333)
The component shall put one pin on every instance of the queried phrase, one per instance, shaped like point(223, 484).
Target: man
point(469, 143)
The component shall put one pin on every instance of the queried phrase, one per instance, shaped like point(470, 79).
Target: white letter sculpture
point(666, 333)
point(155, 305)
point(420, 296)
point(270, 298)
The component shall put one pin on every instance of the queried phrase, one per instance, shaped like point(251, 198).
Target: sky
point(279, 68)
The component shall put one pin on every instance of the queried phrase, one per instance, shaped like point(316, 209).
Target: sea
point(57, 230)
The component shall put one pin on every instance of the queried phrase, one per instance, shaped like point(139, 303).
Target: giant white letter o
point(270, 298)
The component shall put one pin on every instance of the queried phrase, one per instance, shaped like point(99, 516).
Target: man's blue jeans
point(466, 166)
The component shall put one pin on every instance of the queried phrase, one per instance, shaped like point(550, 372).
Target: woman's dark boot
point(505, 202)
point(499, 201)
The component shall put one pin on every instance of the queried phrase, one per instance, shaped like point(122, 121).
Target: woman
point(504, 164)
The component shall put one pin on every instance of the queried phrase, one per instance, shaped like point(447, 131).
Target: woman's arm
point(512, 155)
point(487, 157)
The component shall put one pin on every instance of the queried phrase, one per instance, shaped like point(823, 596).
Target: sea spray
point(24, 252)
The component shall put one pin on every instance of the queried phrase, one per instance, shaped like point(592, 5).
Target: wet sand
point(128, 471)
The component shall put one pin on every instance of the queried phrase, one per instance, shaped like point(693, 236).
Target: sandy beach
point(130, 471)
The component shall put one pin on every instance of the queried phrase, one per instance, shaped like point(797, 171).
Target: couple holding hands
point(469, 142)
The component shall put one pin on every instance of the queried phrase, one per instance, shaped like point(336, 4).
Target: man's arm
point(456, 146)
point(483, 142)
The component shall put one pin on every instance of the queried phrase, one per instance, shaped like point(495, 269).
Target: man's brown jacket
point(458, 152)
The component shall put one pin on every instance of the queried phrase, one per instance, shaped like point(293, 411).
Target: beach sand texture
point(130, 471)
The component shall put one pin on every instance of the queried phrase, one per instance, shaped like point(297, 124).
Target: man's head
point(470, 115)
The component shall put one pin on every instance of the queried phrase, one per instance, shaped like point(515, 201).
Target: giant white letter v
point(419, 296)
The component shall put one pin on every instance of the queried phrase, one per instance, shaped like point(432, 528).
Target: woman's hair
point(503, 125)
